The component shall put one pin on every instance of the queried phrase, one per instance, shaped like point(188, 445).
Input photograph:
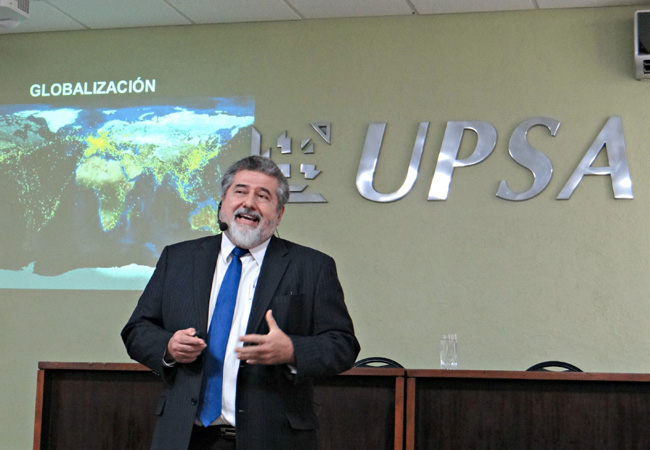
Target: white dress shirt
point(251, 265)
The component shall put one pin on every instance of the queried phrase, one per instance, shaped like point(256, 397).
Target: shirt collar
point(256, 252)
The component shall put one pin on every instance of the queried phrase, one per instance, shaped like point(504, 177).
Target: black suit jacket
point(274, 408)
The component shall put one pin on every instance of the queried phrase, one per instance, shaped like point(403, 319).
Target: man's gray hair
point(259, 164)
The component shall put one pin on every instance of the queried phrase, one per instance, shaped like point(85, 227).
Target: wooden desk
point(110, 406)
point(94, 406)
point(473, 410)
point(362, 408)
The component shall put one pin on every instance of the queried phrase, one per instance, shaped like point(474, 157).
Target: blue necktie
point(218, 333)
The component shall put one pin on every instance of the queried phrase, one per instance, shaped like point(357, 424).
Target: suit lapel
point(205, 263)
point(274, 265)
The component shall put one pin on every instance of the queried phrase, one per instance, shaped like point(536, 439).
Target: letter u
point(370, 157)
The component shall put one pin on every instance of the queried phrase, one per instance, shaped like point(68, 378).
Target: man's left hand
point(272, 348)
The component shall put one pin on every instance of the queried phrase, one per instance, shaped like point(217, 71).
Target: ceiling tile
point(64, 15)
point(318, 9)
point(211, 11)
point(462, 6)
point(119, 13)
point(43, 17)
point(549, 4)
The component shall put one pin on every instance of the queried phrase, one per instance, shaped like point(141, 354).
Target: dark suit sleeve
point(330, 347)
point(144, 335)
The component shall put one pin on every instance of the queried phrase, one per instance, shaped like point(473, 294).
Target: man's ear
point(221, 197)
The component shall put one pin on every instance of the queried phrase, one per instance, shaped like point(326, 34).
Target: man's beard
point(244, 236)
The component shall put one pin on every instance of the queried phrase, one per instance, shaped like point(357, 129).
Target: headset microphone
point(223, 226)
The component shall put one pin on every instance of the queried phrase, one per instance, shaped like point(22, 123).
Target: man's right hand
point(184, 346)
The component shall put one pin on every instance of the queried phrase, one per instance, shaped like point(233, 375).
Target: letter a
point(611, 138)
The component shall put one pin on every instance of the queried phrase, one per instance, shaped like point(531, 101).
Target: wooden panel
point(400, 408)
point(409, 425)
point(97, 409)
point(362, 409)
point(525, 410)
point(38, 421)
point(110, 406)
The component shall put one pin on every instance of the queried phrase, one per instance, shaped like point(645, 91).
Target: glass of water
point(449, 351)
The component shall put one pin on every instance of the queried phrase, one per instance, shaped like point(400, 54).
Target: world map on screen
point(90, 196)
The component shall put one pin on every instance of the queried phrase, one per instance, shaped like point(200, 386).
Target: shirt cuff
point(168, 364)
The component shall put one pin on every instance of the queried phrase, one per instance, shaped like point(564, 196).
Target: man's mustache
point(249, 213)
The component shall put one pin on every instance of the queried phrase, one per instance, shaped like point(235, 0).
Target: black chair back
point(546, 365)
point(379, 362)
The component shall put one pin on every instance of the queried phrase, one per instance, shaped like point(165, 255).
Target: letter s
point(532, 159)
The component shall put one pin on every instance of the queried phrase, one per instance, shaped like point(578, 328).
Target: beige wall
point(519, 282)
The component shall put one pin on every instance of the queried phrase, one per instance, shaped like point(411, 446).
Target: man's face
point(250, 208)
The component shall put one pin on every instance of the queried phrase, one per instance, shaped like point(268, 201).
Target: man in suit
point(290, 324)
